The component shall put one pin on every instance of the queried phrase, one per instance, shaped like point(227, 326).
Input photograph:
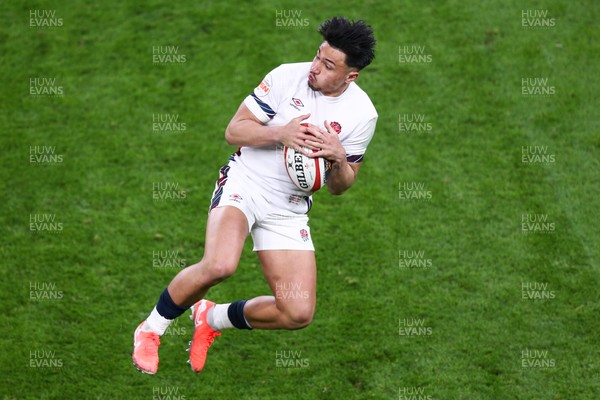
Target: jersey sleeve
point(356, 144)
point(264, 101)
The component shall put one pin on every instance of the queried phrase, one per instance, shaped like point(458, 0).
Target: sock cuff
point(235, 313)
point(156, 323)
point(167, 308)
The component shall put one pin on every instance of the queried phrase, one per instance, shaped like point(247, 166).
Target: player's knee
point(219, 270)
point(299, 317)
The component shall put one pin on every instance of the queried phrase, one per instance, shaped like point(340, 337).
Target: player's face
point(329, 73)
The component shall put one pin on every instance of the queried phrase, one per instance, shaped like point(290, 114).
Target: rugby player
point(315, 105)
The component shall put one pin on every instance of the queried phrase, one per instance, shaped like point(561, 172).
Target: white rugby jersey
point(284, 94)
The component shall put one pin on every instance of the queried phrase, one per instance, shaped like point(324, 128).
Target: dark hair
point(353, 38)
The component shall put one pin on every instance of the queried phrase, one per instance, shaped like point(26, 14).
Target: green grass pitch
point(463, 264)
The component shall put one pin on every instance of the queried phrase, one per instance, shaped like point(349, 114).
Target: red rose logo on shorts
point(304, 234)
point(336, 127)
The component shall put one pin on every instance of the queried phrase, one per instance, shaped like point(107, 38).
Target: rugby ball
point(308, 174)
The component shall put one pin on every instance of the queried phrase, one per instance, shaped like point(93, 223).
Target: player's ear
point(351, 77)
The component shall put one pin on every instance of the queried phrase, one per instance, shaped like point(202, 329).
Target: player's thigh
point(292, 276)
point(226, 232)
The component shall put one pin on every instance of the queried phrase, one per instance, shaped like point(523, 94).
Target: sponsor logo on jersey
point(264, 87)
point(293, 199)
point(236, 197)
point(296, 103)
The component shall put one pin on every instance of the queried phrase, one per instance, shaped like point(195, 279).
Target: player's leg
point(226, 232)
point(282, 241)
point(284, 246)
point(292, 276)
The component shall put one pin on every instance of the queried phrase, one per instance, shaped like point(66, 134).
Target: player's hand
point(296, 133)
point(327, 144)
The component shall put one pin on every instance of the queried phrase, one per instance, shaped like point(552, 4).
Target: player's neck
point(338, 92)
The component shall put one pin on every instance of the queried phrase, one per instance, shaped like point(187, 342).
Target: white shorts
point(275, 221)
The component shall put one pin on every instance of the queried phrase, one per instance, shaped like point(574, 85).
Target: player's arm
point(245, 129)
point(342, 176)
point(343, 173)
